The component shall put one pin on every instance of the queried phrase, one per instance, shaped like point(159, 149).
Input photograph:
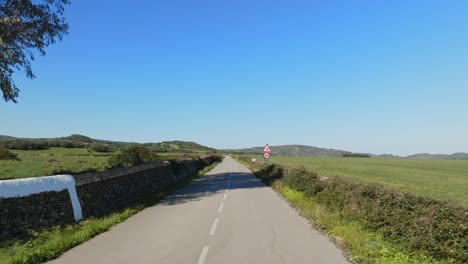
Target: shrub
point(302, 180)
point(5, 154)
point(270, 173)
point(99, 147)
point(355, 155)
point(133, 155)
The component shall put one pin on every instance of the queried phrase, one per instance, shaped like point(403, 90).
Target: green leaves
point(5, 154)
point(133, 155)
point(27, 26)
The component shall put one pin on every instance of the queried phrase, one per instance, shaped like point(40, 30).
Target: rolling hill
point(295, 150)
point(459, 155)
point(309, 151)
point(80, 141)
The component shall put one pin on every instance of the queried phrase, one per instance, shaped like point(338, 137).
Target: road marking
point(213, 227)
point(225, 196)
point(221, 208)
point(201, 259)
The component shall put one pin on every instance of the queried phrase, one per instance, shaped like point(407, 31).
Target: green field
point(439, 179)
point(52, 161)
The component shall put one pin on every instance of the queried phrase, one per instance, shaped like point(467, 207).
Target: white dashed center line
point(201, 259)
point(213, 227)
point(204, 253)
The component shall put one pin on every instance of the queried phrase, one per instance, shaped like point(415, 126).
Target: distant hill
point(178, 146)
point(459, 155)
point(295, 150)
point(81, 141)
point(309, 151)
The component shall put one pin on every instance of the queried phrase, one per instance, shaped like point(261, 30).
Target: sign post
point(267, 153)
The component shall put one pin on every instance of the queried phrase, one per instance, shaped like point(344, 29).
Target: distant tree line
point(74, 141)
point(22, 144)
point(80, 141)
point(178, 146)
point(355, 155)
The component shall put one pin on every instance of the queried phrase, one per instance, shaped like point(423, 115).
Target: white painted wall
point(28, 186)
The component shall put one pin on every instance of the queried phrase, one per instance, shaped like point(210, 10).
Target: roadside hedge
point(434, 227)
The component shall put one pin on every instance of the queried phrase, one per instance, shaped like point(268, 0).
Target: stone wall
point(35, 211)
point(105, 192)
point(98, 193)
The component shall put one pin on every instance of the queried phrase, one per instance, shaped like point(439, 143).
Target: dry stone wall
point(35, 211)
point(97, 194)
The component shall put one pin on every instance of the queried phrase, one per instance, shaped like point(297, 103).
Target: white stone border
point(28, 186)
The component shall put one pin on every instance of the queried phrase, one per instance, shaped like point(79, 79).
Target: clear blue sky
point(364, 76)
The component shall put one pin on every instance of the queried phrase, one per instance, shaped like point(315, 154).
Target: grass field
point(63, 160)
point(439, 179)
point(52, 161)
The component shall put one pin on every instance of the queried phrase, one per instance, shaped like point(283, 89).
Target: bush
point(70, 144)
point(355, 155)
point(303, 181)
point(271, 173)
point(99, 147)
point(133, 155)
point(5, 154)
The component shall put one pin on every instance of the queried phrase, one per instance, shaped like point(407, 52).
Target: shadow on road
point(209, 185)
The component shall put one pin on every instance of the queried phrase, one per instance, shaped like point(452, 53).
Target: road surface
point(227, 216)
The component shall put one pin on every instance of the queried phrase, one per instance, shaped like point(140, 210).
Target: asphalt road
point(227, 216)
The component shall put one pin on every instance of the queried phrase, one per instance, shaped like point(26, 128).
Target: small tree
point(5, 154)
point(99, 147)
point(133, 155)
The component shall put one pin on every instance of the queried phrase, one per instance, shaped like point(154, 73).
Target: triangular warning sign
point(267, 149)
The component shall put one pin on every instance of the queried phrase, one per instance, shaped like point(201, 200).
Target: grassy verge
point(48, 244)
point(373, 223)
point(362, 246)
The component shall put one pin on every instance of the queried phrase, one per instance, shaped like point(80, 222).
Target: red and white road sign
point(267, 149)
point(267, 152)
